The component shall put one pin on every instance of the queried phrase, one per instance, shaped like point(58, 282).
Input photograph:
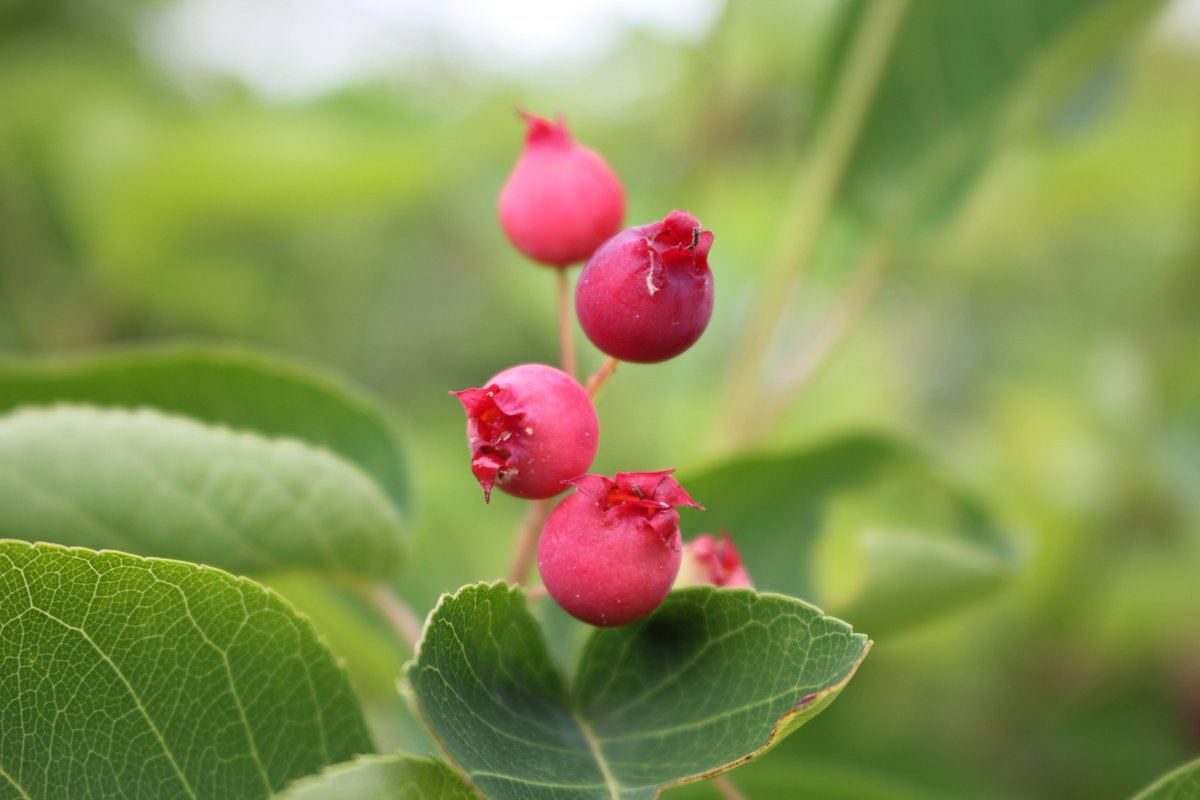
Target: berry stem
point(397, 612)
point(815, 190)
point(727, 789)
point(600, 376)
point(526, 544)
point(566, 341)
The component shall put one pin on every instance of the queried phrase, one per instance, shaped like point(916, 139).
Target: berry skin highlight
point(561, 200)
point(610, 551)
point(530, 428)
point(647, 294)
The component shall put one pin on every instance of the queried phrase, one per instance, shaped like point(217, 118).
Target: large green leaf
point(706, 682)
point(863, 526)
point(1182, 784)
point(133, 677)
point(159, 485)
point(959, 80)
point(236, 388)
point(397, 777)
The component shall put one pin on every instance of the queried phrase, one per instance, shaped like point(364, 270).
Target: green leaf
point(397, 777)
point(706, 682)
point(862, 526)
point(1182, 784)
point(133, 677)
point(236, 388)
point(148, 483)
point(959, 81)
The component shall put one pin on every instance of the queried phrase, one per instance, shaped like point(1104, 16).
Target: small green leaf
point(236, 388)
point(1182, 784)
point(396, 777)
point(959, 81)
point(133, 677)
point(706, 682)
point(148, 483)
point(863, 526)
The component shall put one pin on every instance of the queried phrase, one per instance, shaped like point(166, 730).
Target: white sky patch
point(296, 49)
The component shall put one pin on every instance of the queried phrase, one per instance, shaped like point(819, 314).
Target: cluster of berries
point(611, 550)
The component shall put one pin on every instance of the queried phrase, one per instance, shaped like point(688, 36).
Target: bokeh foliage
point(1040, 341)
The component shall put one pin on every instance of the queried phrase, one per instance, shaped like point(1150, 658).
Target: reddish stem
point(566, 342)
point(600, 376)
point(526, 545)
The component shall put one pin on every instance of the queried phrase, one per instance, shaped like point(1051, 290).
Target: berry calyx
point(647, 294)
point(708, 561)
point(610, 551)
point(561, 200)
point(530, 428)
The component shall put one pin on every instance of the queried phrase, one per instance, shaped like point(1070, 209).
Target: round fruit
point(561, 200)
point(610, 551)
point(647, 294)
point(530, 428)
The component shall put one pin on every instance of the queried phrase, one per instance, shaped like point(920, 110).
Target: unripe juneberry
point(530, 428)
point(647, 294)
point(714, 562)
point(562, 200)
point(610, 551)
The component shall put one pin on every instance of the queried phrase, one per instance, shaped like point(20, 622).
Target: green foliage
point(399, 777)
point(861, 525)
point(1181, 784)
point(671, 698)
point(138, 677)
point(239, 389)
point(149, 483)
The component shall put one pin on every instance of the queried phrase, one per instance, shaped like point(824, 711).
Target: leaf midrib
point(589, 736)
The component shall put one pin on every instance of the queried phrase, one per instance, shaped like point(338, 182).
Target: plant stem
point(727, 789)
point(600, 376)
point(526, 545)
point(814, 192)
point(397, 612)
point(566, 341)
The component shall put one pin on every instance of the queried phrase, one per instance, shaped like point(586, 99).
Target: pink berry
point(646, 295)
point(707, 561)
point(610, 551)
point(562, 200)
point(530, 428)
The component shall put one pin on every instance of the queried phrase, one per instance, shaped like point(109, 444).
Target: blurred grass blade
point(962, 79)
point(133, 677)
point(160, 485)
point(236, 388)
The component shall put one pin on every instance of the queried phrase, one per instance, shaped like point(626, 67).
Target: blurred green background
point(319, 179)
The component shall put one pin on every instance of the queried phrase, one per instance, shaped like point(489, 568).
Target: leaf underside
point(166, 486)
point(236, 388)
point(709, 680)
point(395, 777)
point(1182, 784)
point(145, 678)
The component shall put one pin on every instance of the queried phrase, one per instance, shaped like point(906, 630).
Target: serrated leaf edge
point(302, 618)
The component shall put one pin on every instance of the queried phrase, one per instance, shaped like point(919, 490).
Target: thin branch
point(397, 612)
point(600, 376)
point(526, 545)
point(566, 341)
point(815, 190)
